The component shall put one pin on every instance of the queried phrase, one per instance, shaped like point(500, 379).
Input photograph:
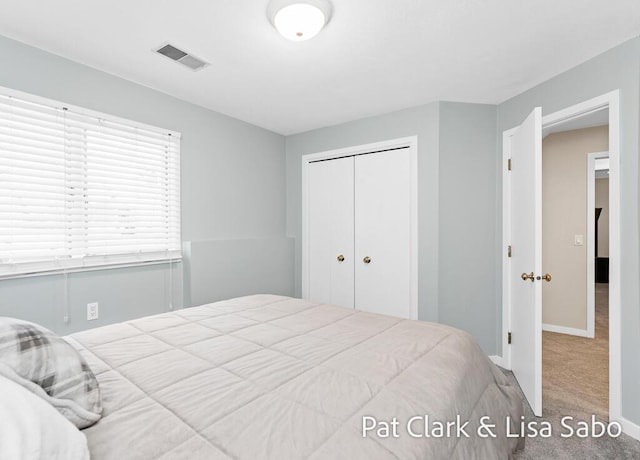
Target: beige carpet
point(575, 370)
point(575, 375)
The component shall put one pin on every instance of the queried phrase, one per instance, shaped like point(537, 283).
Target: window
point(79, 189)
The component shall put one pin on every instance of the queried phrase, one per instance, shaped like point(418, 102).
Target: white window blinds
point(80, 189)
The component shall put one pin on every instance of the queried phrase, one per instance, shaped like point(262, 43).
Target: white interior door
point(383, 232)
point(526, 260)
point(331, 252)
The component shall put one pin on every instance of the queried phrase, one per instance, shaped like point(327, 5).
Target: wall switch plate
point(578, 240)
point(92, 311)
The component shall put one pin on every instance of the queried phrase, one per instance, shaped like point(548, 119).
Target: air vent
point(184, 58)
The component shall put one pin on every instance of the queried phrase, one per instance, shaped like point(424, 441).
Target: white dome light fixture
point(299, 20)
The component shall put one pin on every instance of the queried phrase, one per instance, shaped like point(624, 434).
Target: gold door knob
point(546, 277)
point(367, 260)
point(526, 277)
point(340, 258)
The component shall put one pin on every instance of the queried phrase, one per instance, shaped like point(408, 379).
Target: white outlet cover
point(92, 311)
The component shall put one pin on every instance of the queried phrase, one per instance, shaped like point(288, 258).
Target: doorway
point(575, 346)
point(533, 341)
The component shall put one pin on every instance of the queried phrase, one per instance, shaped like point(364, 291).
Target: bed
point(272, 377)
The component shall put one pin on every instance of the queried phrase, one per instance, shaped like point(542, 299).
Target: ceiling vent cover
point(184, 58)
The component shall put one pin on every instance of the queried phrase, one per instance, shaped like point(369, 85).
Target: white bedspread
point(270, 377)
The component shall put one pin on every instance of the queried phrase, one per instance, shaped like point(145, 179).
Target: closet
point(360, 240)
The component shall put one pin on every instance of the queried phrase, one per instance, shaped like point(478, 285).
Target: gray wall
point(233, 186)
point(468, 221)
point(122, 294)
point(456, 208)
point(266, 262)
point(618, 68)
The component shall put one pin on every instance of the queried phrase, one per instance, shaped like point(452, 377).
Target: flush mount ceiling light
point(299, 20)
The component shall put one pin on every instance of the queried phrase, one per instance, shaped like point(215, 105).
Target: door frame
point(612, 101)
point(410, 143)
point(591, 240)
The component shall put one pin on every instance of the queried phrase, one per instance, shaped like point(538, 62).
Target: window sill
point(114, 266)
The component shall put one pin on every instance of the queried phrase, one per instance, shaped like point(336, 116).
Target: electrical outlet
point(92, 311)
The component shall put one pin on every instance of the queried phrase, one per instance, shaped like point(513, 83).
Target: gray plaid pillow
point(47, 365)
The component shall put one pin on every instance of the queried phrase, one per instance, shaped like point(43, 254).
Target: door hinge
point(509, 164)
point(509, 338)
point(509, 251)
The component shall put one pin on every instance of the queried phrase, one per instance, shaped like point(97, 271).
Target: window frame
point(107, 261)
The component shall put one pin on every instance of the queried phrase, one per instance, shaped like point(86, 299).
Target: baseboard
point(498, 361)
point(630, 428)
point(565, 330)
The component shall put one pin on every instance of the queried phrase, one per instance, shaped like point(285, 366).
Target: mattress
point(272, 377)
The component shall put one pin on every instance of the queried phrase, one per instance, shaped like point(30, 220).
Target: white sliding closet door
point(331, 253)
point(383, 232)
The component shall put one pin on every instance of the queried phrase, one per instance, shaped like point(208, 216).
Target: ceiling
point(375, 56)
point(590, 120)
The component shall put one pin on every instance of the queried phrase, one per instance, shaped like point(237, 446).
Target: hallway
point(575, 370)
